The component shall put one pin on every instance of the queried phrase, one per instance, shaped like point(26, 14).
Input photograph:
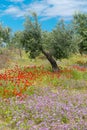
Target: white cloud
point(37, 7)
point(64, 8)
point(14, 11)
point(48, 8)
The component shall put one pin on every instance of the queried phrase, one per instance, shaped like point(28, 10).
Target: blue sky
point(12, 12)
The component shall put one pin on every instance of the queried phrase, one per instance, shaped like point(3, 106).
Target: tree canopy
point(4, 34)
point(80, 26)
point(54, 45)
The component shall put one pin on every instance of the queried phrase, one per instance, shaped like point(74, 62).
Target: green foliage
point(62, 43)
point(38, 120)
point(59, 43)
point(78, 75)
point(32, 36)
point(65, 120)
point(16, 39)
point(4, 34)
point(80, 25)
point(30, 90)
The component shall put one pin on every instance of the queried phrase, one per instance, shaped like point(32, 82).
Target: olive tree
point(16, 41)
point(80, 26)
point(4, 34)
point(54, 45)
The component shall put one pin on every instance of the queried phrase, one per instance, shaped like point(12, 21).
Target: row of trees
point(61, 42)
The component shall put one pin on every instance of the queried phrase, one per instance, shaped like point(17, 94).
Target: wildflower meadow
point(35, 98)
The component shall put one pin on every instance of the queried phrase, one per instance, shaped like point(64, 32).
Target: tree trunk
point(20, 52)
point(52, 61)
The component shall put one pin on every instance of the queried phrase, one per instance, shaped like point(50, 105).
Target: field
point(32, 97)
